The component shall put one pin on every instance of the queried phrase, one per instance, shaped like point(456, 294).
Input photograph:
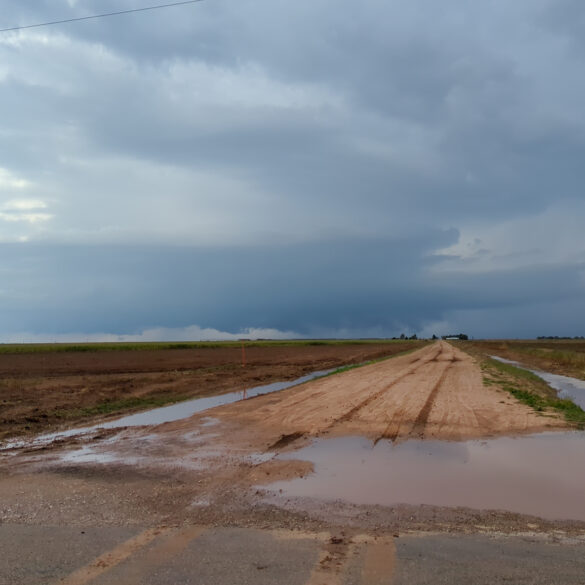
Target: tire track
point(418, 428)
point(347, 416)
point(392, 431)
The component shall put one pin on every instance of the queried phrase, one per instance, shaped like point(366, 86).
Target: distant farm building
point(460, 336)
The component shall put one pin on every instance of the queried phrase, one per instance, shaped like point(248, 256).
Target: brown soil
point(42, 391)
point(188, 471)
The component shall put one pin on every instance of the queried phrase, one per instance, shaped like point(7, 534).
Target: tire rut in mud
point(347, 416)
point(417, 431)
point(418, 428)
point(285, 440)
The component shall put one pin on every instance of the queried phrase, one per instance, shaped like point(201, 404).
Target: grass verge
point(529, 389)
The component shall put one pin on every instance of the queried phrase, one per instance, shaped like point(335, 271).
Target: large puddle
point(541, 475)
point(170, 413)
point(566, 387)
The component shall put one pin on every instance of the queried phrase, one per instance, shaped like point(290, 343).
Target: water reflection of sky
point(541, 475)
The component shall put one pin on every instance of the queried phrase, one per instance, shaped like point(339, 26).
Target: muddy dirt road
point(434, 393)
point(190, 501)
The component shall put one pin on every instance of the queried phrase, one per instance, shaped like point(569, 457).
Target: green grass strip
point(572, 413)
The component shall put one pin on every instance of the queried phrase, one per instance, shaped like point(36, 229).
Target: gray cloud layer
point(321, 168)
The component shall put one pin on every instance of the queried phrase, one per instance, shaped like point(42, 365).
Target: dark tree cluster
point(559, 337)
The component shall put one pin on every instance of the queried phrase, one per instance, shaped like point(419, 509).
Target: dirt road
point(434, 393)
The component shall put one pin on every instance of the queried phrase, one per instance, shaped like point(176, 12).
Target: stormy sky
point(280, 169)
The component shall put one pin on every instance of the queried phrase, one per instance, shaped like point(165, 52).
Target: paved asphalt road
point(47, 555)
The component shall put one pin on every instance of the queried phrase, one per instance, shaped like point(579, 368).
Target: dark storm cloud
point(310, 289)
point(366, 167)
point(306, 287)
point(475, 101)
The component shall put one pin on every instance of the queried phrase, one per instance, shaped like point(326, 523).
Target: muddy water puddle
point(166, 414)
point(143, 450)
point(541, 475)
point(566, 387)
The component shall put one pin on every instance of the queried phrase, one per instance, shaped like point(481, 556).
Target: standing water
point(541, 475)
point(566, 387)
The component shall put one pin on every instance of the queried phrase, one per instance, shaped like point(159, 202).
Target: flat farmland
point(558, 356)
point(47, 387)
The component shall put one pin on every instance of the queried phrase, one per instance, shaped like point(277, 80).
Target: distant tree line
point(461, 336)
point(559, 337)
